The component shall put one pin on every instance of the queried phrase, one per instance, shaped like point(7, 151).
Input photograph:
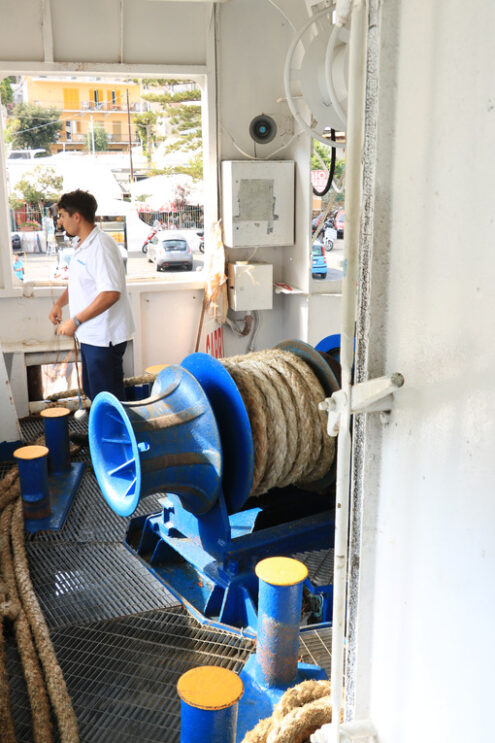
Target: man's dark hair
point(79, 201)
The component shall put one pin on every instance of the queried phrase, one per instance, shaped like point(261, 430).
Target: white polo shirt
point(96, 267)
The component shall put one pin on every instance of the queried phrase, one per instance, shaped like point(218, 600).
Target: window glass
point(146, 177)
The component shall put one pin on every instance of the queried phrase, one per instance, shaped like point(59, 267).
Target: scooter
point(148, 241)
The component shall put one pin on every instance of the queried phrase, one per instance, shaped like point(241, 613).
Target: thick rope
point(301, 711)
point(8, 610)
point(252, 398)
point(19, 605)
point(40, 707)
point(55, 682)
point(281, 393)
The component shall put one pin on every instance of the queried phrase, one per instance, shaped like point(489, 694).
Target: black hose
point(332, 169)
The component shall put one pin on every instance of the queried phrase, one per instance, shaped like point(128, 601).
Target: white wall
point(422, 654)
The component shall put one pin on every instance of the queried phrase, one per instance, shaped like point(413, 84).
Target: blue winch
point(192, 440)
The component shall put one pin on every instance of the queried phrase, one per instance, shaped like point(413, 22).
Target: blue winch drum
point(168, 443)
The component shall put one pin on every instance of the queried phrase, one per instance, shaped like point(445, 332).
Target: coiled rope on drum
point(281, 394)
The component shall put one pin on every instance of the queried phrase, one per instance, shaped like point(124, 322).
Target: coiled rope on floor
point(18, 604)
point(281, 394)
point(301, 711)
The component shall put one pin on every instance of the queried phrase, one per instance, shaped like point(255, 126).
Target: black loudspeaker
point(262, 129)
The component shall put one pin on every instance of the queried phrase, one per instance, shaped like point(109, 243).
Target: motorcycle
point(148, 240)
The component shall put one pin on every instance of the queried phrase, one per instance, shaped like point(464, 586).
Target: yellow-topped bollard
point(209, 702)
point(56, 429)
point(279, 614)
point(33, 475)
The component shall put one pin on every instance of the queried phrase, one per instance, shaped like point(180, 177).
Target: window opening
point(94, 126)
point(328, 213)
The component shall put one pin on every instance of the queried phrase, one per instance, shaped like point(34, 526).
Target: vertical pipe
point(56, 428)
point(33, 474)
point(355, 117)
point(209, 704)
point(279, 614)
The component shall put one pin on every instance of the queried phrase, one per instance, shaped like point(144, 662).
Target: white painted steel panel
point(257, 203)
point(21, 30)
point(250, 286)
point(422, 634)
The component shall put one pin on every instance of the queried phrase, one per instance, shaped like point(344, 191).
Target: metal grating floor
point(120, 637)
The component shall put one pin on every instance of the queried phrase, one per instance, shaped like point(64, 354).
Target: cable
point(332, 169)
point(284, 15)
point(40, 126)
point(254, 157)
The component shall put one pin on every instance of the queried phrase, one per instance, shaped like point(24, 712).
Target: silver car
point(170, 250)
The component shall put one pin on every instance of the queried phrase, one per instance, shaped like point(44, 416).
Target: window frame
point(203, 75)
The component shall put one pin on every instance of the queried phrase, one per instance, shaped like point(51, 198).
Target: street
point(41, 267)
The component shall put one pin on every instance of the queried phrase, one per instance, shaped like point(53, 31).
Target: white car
point(169, 249)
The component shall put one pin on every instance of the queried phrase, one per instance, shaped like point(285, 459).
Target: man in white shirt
point(99, 308)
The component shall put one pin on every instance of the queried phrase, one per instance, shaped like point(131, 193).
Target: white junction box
point(257, 203)
point(250, 286)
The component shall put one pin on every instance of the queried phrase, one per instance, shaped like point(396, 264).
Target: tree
point(6, 93)
point(184, 117)
point(33, 127)
point(36, 189)
point(100, 137)
point(145, 124)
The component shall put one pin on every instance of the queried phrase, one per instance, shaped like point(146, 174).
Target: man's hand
point(66, 328)
point(55, 314)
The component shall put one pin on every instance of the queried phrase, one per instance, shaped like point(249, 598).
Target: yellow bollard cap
point(281, 571)
point(156, 368)
point(55, 412)
point(31, 452)
point(210, 687)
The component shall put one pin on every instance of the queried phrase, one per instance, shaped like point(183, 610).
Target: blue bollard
point(56, 428)
point(209, 703)
point(279, 614)
point(33, 474)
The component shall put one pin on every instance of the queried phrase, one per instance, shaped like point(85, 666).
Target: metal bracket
point(374, 395)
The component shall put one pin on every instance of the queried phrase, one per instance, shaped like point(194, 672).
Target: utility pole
point(93, 149)
point(129, 127)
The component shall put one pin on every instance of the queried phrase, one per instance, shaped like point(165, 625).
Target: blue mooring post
point(56, 428)
point(33, 474)
point(279, 614)
point(209, 701)
point(274, 667)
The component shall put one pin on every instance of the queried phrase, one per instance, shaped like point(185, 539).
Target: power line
point(40, 126)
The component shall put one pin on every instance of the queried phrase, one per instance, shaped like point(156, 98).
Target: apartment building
point(87, 104)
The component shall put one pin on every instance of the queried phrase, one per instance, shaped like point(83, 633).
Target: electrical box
point(257, 203)
point(250, 286)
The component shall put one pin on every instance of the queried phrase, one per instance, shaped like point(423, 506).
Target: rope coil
point(281, 394)
point(18, 604)
point(301, 711)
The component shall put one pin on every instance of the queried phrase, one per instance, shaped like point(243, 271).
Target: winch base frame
point(207, 562)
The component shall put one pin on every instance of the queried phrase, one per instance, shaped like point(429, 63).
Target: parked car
point(319, 261)
point(170, 250)
point(27, 154)
point(315, 222)
point(339, 223)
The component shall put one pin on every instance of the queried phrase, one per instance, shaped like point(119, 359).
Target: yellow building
point(86, 104)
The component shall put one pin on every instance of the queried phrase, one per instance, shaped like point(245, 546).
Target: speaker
point(262, 129)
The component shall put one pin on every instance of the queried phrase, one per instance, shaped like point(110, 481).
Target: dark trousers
point(102, 369)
